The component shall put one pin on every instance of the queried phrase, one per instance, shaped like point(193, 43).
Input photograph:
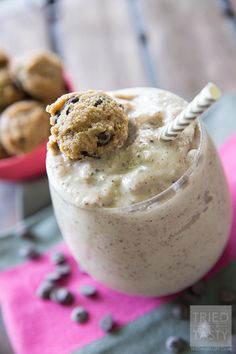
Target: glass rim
point(160, 197)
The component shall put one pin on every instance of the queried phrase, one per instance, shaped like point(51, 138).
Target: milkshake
point(150, 217)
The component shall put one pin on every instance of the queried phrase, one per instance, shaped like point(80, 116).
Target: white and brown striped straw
point(209, 94)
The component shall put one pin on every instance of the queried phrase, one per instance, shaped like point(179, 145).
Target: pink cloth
point(35, 326)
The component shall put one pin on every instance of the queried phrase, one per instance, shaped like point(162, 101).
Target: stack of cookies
point(27, 85)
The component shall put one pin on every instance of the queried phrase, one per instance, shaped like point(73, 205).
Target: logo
point(210, 327)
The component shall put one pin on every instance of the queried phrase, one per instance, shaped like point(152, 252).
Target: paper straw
point(209, 94)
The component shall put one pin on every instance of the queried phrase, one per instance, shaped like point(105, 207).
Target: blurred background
point(109, 44)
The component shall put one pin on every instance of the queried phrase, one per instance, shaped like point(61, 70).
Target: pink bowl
point(24, 166)
point(29, 165)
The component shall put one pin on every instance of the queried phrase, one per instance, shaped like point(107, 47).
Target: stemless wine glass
point(158, 246)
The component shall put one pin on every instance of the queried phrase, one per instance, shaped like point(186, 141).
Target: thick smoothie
point(151, 217)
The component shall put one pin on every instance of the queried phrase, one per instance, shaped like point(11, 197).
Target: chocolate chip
point(107, 323)
point(58, 258)
point(64, 269)
point(79, 314)
point(54, 119)
point(88, 290)
point(176, 344)
point(85, 153)
point(56, 116)
point(44, 290)
point(98, 102)
point(198, 288)
point(227, 297)
point(25, 234)
point(74, 100)
point(181, 311)
point(68, 110)
point(57, 113)
point(29, 252)
point(103, 138)
point(53, 276)
point(61, 296)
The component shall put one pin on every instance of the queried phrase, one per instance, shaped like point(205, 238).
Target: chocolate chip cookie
point(9, 92)
point(40, 75)
point(23, 126)
point(87, 123)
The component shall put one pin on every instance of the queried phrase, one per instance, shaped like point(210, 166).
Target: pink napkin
point(36, 326)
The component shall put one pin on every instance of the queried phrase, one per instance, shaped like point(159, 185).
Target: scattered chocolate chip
point(79, 314)
point(190, 298)
point(107, 323)
point(29, 252)
point(25, 234)
point(227, 297)
point(103, 138)
point(61, 296)
point(98, 102)
point(198, 288)
point(181, 311)
point(64, 269)
point(176, 344)
point(58, 258)
point(88, 290)
point(44, 290)
point(74, 100)
point(53, 276)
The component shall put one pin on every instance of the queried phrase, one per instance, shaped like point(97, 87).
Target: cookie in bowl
point(23, 126)
point(40, 75)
